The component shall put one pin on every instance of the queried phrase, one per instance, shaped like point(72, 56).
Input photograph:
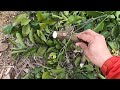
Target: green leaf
point(74, 18)
point(47, 29)
point(88, 67)
point(50, 62)
point(42, 25)
point(110, 25)
point(61, 56)
point(55, 61)
point(94, 13)
point(38, 69)
point(64, 17)
point(77, 61)
point(115, 31)
point(61, 76)
point(37, 39)
point(58, 70)
point(66, 13)
point(112, 16)
point(38, 33)
point(30, 52)
point(12, 41)
point(64, 41)
point(75, 12)
point(49, 22)
point(19, 51)
point(52, 55)
point(56, 16)
point(50, 43)
point(38, 76)
point(91, 75)
point(58, 46)
point(25, 30)
point(39, 16)
point(106, 34)
point(118, 15)
point(46, 75)
point(51, 49)
point(118, 39)
point(34, 23)
point(88, 26)
point(22, 18)
point(109, 12)
point(42, 36)
point(31, 37)
point(80, 76)
point(99, 27)
point(46, 15)
point(41, 51)
point(113, 45)
point(20, 39)
point(25, 21)
point(8, 29)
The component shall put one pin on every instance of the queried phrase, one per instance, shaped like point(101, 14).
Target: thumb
point(83, 46)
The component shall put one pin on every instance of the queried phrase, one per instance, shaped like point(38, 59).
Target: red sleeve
point(111, 68)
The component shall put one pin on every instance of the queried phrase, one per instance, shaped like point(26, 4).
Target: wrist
point(105, 58)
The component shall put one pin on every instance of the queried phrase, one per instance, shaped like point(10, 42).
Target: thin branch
point(98, 73)
point(101, 22)
point(101, 76)
point(67, 58)
point(89, 21)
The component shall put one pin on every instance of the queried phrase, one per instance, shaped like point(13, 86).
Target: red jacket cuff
point(108, 64)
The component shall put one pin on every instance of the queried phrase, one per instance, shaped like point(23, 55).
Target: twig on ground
point(89, 21)
point(2, 72)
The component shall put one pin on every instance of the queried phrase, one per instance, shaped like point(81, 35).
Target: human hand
point(96, 50)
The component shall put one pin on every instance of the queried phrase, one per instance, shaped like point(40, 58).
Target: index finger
point(90, 32)
point(85, 37)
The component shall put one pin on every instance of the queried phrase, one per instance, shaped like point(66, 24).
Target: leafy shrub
point(32, 34)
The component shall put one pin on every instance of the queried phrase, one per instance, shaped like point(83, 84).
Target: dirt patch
point(6, 60)
point(11, 68)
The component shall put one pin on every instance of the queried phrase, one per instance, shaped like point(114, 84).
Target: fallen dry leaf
point(6, 77)
point(1, 74)
point(3, 46)
point(7, 71)
point(0, 54)
point(6, 74)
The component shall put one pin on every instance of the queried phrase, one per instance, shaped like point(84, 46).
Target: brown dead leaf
point(5, 73)
point(0, 54)
point(1, 74)
point(6, 77)
point(3, 46)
